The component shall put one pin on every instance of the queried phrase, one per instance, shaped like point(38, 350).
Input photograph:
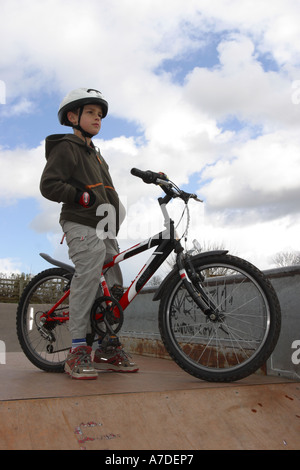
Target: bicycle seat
point(58, 263)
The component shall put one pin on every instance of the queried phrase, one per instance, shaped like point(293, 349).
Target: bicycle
point(219, 317)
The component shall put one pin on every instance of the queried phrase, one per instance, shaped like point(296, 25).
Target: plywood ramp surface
point(250, 417)
point(160, 408)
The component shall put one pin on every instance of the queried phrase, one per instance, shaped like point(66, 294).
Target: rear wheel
point(45, 343)
point(241, 333)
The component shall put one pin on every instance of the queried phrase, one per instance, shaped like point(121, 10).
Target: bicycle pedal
point(117, 292)
point(110, 342)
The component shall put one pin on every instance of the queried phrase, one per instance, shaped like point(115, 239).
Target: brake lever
point(161, 182)
point(194, 196)
point(187, 196)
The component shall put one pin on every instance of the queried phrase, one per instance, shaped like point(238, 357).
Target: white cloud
point(9, 266)
point(249, 175)
point(257, 242)
point(20, 174)
point(24, 106)
point(261, 178)
point(46, 221)
point(240, 87)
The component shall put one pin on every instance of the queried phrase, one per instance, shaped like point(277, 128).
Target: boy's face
point(90, 119)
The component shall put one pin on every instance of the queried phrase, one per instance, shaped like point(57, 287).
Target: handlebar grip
point(147, 176)
point(137, 172)
point(166, 185)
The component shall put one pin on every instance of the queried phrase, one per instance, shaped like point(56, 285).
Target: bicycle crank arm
point(108, 326)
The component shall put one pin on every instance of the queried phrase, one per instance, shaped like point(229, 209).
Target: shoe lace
point(120, 352)
point(83, 357)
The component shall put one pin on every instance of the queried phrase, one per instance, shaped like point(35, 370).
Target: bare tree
point(286, 258)
point(197, 248)
point(154, 281)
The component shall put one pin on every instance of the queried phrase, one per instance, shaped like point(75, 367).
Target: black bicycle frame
point(165, 243)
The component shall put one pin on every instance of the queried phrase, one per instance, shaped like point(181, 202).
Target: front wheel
point(242, 333)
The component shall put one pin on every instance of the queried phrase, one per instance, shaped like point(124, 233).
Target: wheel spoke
point(44, 342)
point(238, 339)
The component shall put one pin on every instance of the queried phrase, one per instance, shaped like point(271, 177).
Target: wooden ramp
point(159, 408)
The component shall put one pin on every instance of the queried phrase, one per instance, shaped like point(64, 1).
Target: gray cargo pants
point(88, 253)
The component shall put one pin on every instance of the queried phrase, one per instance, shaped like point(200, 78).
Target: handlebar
point(149, 176)
point(167, 186)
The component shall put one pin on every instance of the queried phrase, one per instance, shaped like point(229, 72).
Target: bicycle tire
point(246, 333)
point(42, 292)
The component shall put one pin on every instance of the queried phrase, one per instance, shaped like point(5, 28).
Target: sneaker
point(78, 364)
point(113, 359)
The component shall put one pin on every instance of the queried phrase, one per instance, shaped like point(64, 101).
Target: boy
point(77, 175)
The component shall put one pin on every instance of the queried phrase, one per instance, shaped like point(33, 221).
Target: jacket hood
point(52, 140)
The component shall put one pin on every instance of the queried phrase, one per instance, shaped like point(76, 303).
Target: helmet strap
point(79, 128)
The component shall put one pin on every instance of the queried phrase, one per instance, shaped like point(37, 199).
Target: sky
point(207, 91)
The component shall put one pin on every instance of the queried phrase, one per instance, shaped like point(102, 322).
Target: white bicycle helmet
point(78, 99)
